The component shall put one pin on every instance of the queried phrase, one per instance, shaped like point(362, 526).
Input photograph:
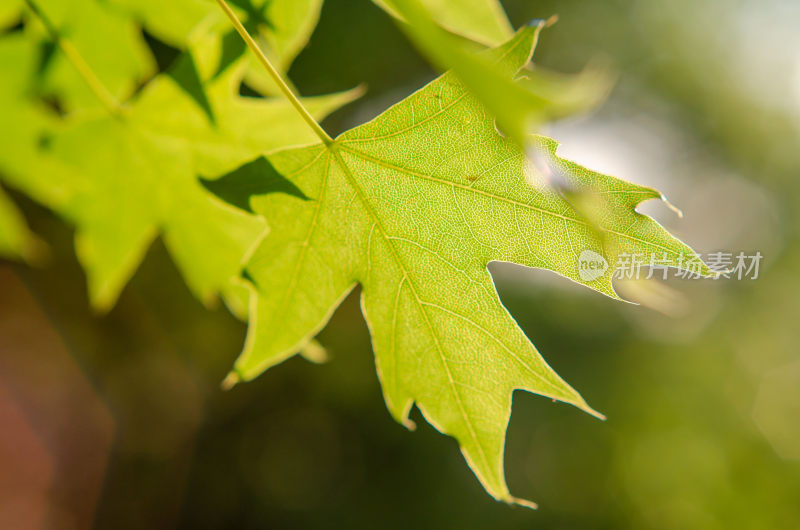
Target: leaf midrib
point(367, 206)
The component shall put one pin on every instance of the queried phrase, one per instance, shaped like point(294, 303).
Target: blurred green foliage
point(703, 407)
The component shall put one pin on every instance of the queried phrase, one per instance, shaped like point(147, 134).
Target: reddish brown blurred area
point(55, 432)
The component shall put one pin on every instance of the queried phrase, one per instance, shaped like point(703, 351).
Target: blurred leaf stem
point(74, 57)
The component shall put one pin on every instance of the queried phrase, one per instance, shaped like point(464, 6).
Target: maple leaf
point(126, 177)
point(482, 21)
point(413, 206)
point(18, 137)
point(120, 63)
point(520, 105)
point(281, 27)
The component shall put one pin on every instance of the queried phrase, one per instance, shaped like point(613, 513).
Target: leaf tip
point(231, 380)
point(543, 22)
point(315, 352)
point(409, 424)
point(581, 404)
point(100, 304)
point(672, 207)
point(521, 502)
point(358, 91)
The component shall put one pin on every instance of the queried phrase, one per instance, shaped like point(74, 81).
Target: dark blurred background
point(118, 421)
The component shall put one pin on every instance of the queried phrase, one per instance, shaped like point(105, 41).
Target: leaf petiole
point(275, 75)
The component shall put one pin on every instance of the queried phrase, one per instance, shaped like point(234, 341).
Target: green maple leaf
point(519, 105)
point(22, 123)
point(413, 206)
point(107, 40)
point(123, 179)
point(282, 27)
point(482, 21)
point(172, 21)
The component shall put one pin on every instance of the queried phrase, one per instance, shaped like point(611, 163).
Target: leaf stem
point(275, 75)
point(85, 71)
